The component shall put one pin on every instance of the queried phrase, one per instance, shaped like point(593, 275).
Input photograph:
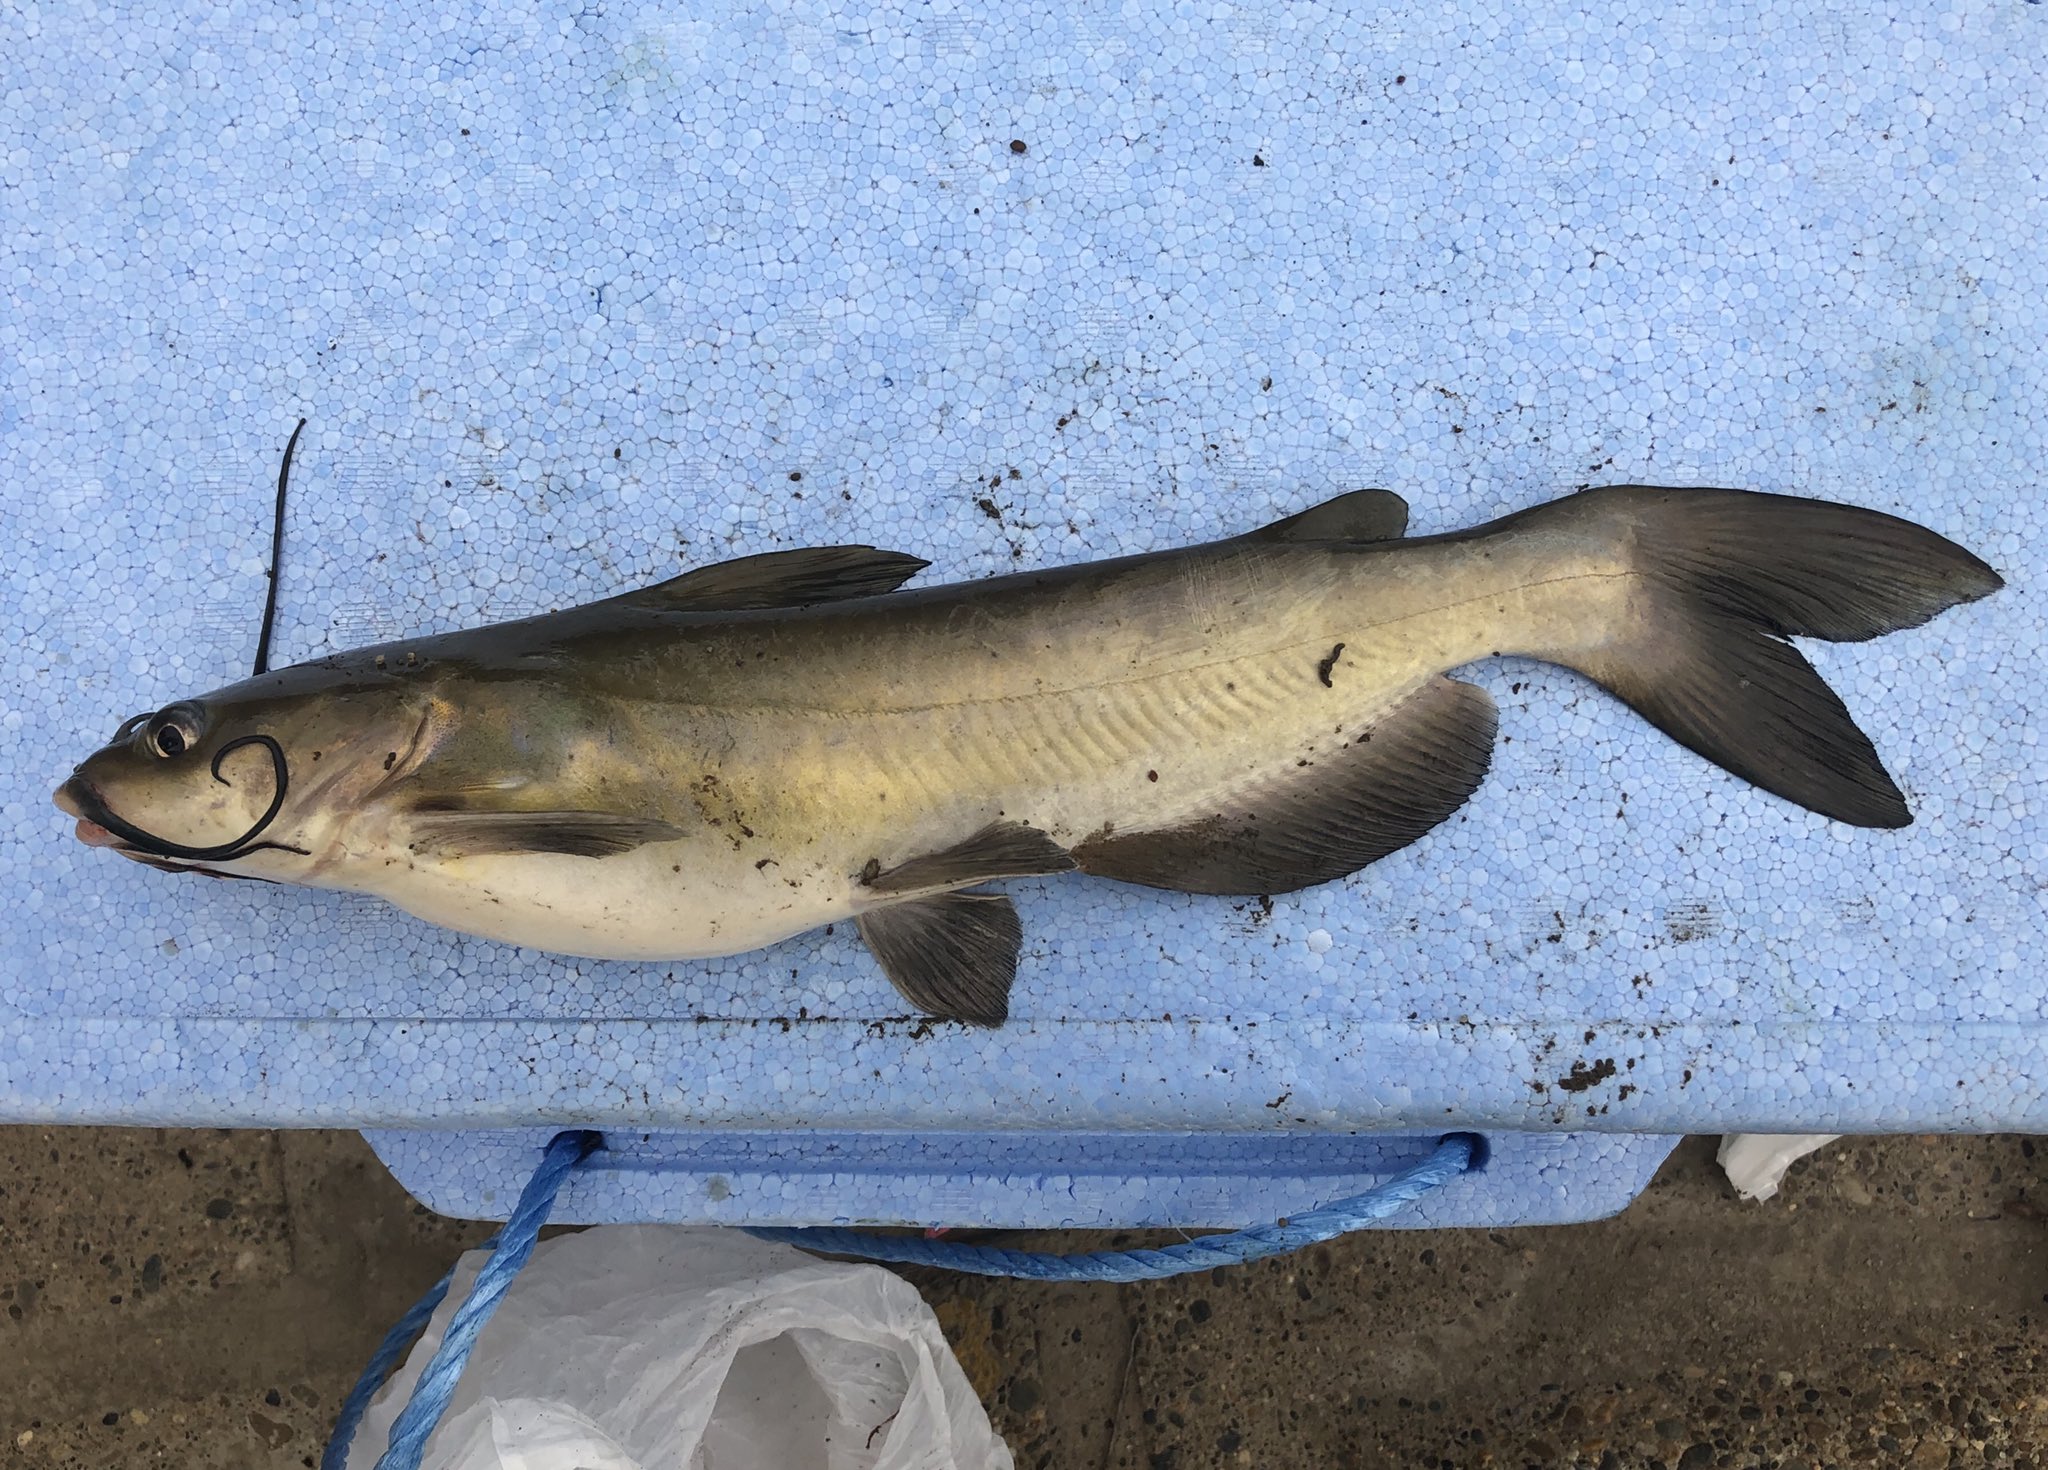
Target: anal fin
point(1351, 805)
point(952, 955)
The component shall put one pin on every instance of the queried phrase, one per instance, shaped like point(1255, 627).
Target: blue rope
point(510, 1249)
point(1455, 1154)
point(389, 1351)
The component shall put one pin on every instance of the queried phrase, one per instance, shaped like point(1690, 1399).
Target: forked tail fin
point(1725, 576)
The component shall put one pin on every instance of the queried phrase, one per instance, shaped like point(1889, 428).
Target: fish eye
point(173, 732)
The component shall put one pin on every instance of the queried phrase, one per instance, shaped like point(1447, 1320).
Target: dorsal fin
point(1362, 515)
point(781, 579)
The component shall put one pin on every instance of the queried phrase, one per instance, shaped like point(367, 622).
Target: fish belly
point(649, 904)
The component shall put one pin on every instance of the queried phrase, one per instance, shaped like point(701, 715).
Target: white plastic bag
point(1756, 1162)
point(653, 1347)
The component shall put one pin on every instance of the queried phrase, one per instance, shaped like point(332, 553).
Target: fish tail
point(1721, 579)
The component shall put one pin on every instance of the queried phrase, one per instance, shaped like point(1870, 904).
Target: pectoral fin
point(952, 955)
point(781, 579)
point(578, 834)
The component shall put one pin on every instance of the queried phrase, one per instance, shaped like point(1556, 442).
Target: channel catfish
point(760, 747)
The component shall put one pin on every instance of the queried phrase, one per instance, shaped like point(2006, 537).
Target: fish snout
point(75, 798)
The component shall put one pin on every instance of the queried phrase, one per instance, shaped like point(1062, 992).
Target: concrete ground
point(203, 1299)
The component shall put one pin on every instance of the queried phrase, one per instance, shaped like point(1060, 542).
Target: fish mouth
point(78, 798)
point(98, 826)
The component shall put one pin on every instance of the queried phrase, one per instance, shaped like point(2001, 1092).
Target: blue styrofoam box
point(573, 299)
point(1038, 1180)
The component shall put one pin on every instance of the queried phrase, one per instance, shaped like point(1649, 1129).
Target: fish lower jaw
point(92, 834)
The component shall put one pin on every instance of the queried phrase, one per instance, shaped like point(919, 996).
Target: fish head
point(255, 780)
